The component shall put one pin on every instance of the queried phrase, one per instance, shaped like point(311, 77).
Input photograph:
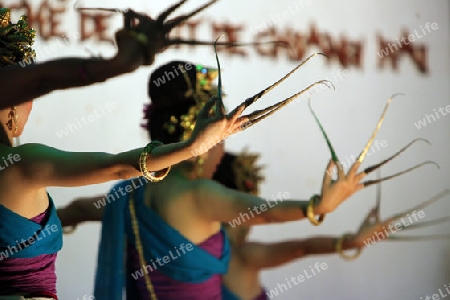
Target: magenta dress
point(169, 289)
point(29, 276)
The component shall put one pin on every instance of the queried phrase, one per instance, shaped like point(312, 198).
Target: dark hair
point(4, 136)
point(167, 89)
point(225, 174)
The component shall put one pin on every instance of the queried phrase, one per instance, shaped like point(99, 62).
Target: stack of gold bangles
point(157, 176)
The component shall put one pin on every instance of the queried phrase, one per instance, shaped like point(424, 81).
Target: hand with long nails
point(369, 144)
point(374, 229)
point(334, 192)
point(153, 34)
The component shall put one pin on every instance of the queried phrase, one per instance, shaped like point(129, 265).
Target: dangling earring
point(199, 166)
point(13, 118)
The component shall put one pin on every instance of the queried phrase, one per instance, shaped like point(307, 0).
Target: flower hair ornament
point(15, 39)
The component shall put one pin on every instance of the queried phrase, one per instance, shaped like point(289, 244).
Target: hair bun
point(168, 86)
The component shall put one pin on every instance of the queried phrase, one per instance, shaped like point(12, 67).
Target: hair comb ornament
point(201, 93)
point(15, 39)
point(153, 34)
point(247, 173)
point(369, 144)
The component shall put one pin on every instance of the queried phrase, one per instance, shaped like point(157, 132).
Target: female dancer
point(30, 231)
point(171, 231)
point(248, 259)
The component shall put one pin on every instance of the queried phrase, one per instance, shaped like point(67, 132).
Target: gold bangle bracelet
point(159, 175)
point(340, 251)
point(310, 211)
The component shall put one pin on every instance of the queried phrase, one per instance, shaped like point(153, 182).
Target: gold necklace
point(139, 248)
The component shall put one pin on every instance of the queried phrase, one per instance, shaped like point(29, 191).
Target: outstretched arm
point(261, 256)
point(22, 84)
point(227, 205)
point(41, 166)
point(81, 210)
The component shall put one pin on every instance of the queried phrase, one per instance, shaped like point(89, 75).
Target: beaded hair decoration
point(15, 39)
point(203, 90)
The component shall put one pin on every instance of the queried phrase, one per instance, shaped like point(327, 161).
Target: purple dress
point(29, 276)
point(167, 288)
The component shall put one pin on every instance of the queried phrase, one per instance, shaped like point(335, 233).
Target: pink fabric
point(29, 275)
point(167, 288)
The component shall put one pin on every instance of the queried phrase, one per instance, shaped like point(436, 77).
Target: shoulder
point(205, 186)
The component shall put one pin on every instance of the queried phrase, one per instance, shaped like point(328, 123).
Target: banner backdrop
point(374, 49)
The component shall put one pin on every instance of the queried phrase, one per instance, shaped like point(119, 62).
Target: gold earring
point(13, 119)
point(199, 166)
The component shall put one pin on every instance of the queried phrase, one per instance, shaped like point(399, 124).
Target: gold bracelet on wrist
point(340, 251)
point(157, 176)
point(310, 211)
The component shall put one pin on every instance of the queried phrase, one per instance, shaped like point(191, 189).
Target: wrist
point(320, 208)
point(189, 148)
point(130, 54)
point(350, 242)
point(311, 211)
point(347, 242)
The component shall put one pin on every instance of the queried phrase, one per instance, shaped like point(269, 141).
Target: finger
point(234, 115)
point(240, 125)
point(340, 168)
point(360, 176)
point(328, 173)
point(220, 109)
point(354, 169)
point(359, 186)
point(207, 107)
